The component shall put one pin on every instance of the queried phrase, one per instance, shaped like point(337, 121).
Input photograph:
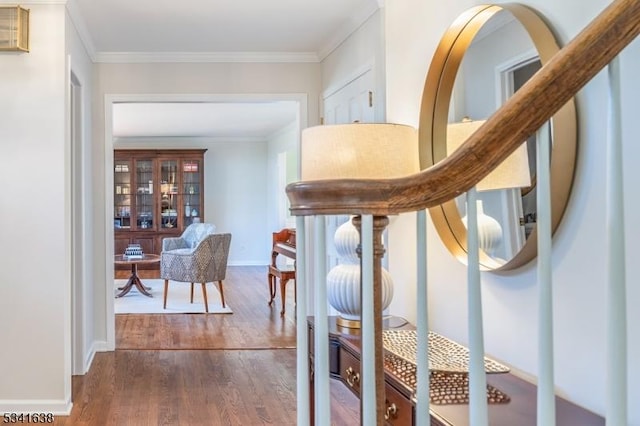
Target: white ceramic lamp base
point(489, 230)
point(343, 281)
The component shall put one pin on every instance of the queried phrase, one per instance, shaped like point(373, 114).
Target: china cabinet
point(157, 193)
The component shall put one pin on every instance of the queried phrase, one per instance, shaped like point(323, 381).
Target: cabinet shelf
point(153, 192)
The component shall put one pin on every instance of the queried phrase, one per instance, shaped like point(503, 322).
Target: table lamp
point(362, 151)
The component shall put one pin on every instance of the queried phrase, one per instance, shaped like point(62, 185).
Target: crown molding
point(154, 57)
point(355, 22)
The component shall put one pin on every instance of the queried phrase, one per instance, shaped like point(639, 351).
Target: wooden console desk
point(344, 364)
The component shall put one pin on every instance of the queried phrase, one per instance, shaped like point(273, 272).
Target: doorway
point(300, 101)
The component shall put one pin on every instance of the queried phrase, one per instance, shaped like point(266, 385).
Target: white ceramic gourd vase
point(489, 230)
point(343, 281)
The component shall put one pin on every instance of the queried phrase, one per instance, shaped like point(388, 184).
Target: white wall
point(579, 270)
point(34, 255)
point(284, 141)
point(363, 50)
point(215, 79)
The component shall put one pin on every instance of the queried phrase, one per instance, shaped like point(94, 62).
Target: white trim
point(108, 226)
point(198, 57)
point(100, 346)
point(68, 243)
point(88, 360)
point(504, 71)
point(248, 263)
point(57, 407)
point(77, 279)
point(109, 100)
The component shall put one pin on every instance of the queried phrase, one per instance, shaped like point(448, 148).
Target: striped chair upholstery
point(200, 256)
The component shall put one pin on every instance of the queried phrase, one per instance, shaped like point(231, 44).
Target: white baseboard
point(88, 360)
point(36, 406)
point(101, 346)
point(247, 263)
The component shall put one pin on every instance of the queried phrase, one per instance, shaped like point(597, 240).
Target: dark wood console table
point(344, 364)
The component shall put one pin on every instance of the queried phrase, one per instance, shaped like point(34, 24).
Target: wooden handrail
point(544, 94)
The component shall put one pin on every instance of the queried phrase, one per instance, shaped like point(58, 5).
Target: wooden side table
point(344, 365)
point(134, 280)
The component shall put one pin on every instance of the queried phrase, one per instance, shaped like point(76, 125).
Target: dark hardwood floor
point(253, 323)
point(174, 369)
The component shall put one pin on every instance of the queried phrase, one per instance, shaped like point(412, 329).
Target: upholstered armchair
point(197, 256)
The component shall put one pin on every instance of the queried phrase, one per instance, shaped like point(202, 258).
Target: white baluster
point(422, 406)
point(478, 411)
point(302, 336)
point(616, 291)
point(546, 409)
point(321, 327)
point(368, 388)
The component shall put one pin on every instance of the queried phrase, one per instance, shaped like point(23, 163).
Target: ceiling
point(212, 31)
point(216, 30)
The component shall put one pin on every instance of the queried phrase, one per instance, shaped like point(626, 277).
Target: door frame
point(300, 98)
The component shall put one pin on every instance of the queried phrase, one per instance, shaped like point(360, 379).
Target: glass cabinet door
point(169, 194)
point(122, 195)
point(192, 209)
point(144, 194)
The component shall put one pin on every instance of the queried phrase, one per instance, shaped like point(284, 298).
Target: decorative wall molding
point(195, 57)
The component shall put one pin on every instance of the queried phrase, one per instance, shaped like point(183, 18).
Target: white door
point(351, 103)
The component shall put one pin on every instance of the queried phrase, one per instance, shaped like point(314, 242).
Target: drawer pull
point(392, 410)
point(353, 378)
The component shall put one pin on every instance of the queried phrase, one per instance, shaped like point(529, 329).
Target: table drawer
point(399, 411)
point(350, 371)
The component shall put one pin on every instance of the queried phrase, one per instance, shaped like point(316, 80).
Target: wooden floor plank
point(253, 323)
point(197, 369)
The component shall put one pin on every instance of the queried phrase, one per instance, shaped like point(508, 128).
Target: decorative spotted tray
point(444, 354)
point(448, 366)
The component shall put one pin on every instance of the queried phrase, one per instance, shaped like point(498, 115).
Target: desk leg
point(134, 280)
point(312, 416)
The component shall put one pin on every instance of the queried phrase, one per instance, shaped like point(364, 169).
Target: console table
point(344, 364)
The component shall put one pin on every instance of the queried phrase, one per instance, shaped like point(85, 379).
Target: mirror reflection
point(499, 60)
point(486, 55)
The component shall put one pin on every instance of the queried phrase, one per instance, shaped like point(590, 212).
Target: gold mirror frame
point(434, 114)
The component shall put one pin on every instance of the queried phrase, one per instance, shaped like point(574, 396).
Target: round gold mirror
point(483, 58)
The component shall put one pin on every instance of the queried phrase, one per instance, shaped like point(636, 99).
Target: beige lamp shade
point(511, 173)
point(359, 150)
